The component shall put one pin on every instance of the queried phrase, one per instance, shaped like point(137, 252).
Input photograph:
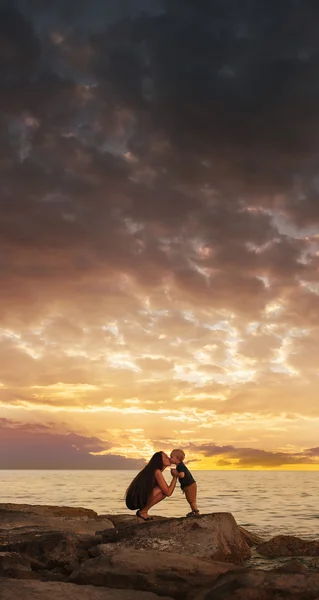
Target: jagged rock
point(252, 539)
point(32, 590)
point(97, 550)
point(261, 585)
point(161, 572)
point(14, 565)
point(50, 550)
point(288, 545)
point(215, 536)
point(27, 517)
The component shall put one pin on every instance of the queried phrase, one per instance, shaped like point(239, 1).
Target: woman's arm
point(166, 489)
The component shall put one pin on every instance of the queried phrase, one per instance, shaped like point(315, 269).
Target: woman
point(149, 486)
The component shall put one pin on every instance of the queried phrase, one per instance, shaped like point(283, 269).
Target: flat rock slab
point(288, 545)
point(47, 510)
point(26, 517)
point(38, 590)
point(215, 536)
point(261, 585)
point(164, 573)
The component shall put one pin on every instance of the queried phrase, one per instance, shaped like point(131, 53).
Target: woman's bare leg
point(155, 497)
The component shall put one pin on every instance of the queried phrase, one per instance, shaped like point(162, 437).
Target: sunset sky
point(159, 233)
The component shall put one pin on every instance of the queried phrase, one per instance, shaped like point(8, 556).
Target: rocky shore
point(53, 553)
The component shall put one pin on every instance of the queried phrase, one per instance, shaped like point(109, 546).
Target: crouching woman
point(149, 486)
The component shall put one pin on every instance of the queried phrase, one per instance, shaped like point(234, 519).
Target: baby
point(187, 481)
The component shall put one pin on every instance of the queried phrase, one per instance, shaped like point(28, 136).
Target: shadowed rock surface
point(37, 590)
point(261, 585)
point(14, 565)
point(164, 573)
point(51, 550)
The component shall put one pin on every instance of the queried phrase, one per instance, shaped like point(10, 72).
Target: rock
point(292, 566)
point(314, 563)
point(215, 536)
point(252, 539)
point(96, 550)
point(37, 590)
point(50, 550)
point(26, 517)
point(47, 575)
point(261, 585)
point(161, 572)
point(288, 545)
point(14, 565)
point(45, 510)
point(120, 521)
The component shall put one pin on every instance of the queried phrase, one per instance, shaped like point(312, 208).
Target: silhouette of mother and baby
point(149, 487)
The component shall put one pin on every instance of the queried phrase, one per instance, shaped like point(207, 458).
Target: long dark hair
point(141, 487)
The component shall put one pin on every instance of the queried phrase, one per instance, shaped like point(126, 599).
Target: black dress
point(137, 503)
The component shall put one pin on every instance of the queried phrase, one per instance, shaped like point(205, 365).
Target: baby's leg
point(194, 507)
point(155, 497)
point(191, 497)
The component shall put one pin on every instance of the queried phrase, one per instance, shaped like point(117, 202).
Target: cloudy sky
point(159, 232)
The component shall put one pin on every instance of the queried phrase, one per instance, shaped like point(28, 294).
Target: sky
point(159, 233)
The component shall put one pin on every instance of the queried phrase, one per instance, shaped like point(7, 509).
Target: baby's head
point(177, 456)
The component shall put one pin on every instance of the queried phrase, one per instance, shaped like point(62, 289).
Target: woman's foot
point(144, 517)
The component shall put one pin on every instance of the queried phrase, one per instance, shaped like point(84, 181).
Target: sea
point(266, 502)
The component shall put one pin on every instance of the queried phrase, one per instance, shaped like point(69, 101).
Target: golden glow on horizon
point(206, 464)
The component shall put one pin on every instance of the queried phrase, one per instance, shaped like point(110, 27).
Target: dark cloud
point(253, 457)
point(212, 449)
point(230, 91)
point(313, 452)
point(20, 47)
point(26, 446)
point(229, 84)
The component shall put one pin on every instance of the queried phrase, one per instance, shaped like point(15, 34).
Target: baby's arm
point(175, 473)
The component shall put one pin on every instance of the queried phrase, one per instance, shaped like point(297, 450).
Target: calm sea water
point(266, 502)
